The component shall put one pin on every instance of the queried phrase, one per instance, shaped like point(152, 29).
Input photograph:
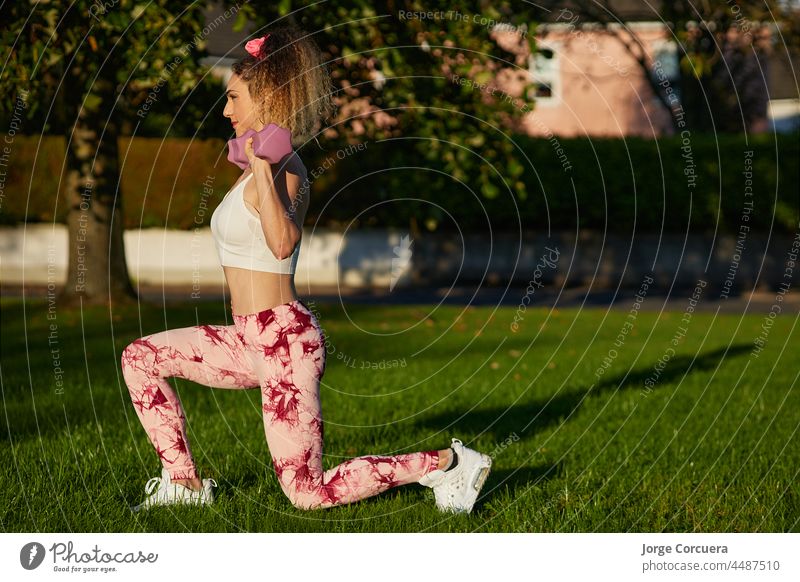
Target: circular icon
point(31, 555)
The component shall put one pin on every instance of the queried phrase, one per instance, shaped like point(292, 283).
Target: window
point(665, 57)
point(543, 67)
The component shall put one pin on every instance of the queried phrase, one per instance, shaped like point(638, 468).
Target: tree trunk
point(98, 272)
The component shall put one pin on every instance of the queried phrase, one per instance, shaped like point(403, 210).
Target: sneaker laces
point(152, 483)
point(455, 485)
point(159, 481)
point(456, 481)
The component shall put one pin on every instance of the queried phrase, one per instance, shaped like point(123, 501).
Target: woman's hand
point(257, 165)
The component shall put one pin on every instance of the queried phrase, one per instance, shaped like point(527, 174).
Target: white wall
point(376, 258)
point(32, 252)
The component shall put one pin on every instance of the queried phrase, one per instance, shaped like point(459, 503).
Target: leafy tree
point(414, 72)
point(96, 64)
point(724, 49)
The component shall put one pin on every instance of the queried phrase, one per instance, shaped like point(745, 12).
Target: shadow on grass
point(528, 418)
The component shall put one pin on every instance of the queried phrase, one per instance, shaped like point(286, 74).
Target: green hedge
point(161, 182)
point(616, 183)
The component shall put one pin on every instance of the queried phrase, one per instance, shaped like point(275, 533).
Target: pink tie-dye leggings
point(282, 351)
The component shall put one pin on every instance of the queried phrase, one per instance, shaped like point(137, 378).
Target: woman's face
point(240, 108)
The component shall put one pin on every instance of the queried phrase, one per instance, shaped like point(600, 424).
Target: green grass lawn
point(712, 447)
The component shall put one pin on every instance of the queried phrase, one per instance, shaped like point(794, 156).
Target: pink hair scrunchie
point(254, 47)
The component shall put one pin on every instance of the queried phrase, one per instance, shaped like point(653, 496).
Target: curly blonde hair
point(289, 83)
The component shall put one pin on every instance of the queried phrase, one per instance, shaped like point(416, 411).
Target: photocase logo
point(400, 261)
point(31, 555)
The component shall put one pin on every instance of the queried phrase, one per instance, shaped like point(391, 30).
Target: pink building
point(588, 83)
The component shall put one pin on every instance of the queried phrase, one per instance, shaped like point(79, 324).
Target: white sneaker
point(169, 493)
point(457, 489)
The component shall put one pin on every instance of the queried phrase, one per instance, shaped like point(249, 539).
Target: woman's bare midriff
point(255, 291)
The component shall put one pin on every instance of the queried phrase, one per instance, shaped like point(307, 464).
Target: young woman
point(276, 343)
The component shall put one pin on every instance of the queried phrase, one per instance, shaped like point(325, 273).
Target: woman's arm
point(280, 227)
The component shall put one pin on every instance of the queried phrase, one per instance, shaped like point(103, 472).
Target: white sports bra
point(240, 239)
